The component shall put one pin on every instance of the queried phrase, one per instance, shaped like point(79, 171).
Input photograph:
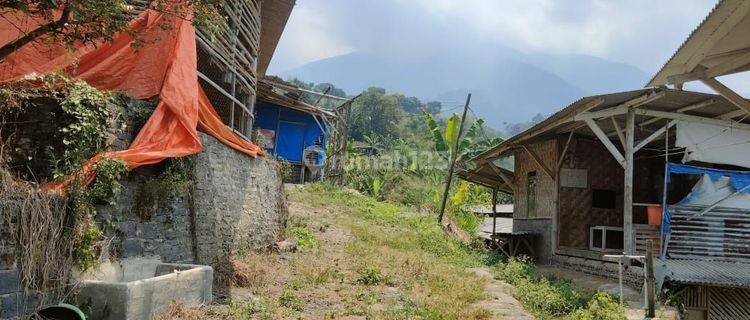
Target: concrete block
point(9, 281)
point(132, 248)
point(128, 228)
point(143, 288)
point(10, 306)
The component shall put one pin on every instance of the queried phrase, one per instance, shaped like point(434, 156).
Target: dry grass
point(179, 311)
point(37, 222)
point(371, 263)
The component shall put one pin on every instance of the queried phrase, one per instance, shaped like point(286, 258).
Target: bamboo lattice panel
point(576, 213)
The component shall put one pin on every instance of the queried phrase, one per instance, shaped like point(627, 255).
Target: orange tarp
point(165, 64)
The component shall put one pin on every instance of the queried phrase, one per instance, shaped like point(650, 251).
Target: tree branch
point(51, 26)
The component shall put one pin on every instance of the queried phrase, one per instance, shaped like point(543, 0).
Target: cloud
point(640, 32)
point(308, 36)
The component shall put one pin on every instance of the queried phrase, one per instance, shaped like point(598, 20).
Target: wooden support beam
point(618, 131)
point(621, 108)
point(605, 140)
point(539, 162)
point(690, 118)
point(529, 133)
point(502, 176)
point(728, 94)
point(654, 135)
point(564, 151)
point(729, 65)
point(628, 243)
point(693, 106)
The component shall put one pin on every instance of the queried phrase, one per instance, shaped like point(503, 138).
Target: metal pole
point(650, 278)
point(453, 160)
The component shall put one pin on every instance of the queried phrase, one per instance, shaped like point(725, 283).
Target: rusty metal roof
point(717, 273)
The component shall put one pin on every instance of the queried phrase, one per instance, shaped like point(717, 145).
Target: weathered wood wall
point(546, 190)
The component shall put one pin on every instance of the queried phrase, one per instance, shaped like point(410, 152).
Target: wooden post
point(620, 272)
point(453, 160)
point(650, 278)
point(628, 192)
point(664, 194)
point(494, 211)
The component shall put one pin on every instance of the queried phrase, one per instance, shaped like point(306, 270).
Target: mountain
point(506, 85)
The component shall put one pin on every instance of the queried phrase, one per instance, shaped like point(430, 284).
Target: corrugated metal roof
point(503, 225)
point(720, 37)
point(718, 273)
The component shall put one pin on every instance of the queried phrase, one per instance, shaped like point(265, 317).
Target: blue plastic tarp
point(738, 180)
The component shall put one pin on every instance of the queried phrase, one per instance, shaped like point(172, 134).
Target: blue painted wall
point(294, 130)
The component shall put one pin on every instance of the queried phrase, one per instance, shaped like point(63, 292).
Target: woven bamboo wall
point(546, 191)
point(576, 213)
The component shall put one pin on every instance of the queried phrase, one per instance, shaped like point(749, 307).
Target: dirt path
point(499, 300)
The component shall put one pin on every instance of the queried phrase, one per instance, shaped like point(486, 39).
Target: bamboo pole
point(453, 160)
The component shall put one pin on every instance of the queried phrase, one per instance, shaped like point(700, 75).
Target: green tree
point(375, 112)
point(88, 21)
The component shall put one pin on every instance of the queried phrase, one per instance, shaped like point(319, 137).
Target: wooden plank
point(618, 131)
point(502, 176)
point(564, 151)
point(728, 94)
point(690, 107)
point(654, 135)
point(605, 140)
point(623, 107)
point(690, 118)
point(539, 162)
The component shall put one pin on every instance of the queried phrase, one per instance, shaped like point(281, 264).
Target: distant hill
point(506, 85)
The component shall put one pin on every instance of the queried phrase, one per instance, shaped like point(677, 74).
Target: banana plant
point(471, 143)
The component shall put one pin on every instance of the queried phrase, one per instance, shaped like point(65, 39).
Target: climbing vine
point(173, 182)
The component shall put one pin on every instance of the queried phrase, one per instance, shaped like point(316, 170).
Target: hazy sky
point(639, 32)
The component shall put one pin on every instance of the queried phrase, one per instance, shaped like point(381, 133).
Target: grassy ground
point(362, 259)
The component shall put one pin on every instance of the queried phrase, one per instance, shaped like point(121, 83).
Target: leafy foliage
point(173, 182)
point(550, 298)
point(106, 185)
point(89, 21)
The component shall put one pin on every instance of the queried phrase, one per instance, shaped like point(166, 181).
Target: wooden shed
point(585, 177)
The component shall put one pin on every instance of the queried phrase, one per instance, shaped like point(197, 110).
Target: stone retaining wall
point(236, 205)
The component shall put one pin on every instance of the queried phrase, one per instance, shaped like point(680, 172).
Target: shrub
point(303, 237)
point(544, 297)
point(602, 306)
point(290, 301)
point(369, 275)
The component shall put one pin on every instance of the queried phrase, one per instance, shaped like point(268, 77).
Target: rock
point(285, 246)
